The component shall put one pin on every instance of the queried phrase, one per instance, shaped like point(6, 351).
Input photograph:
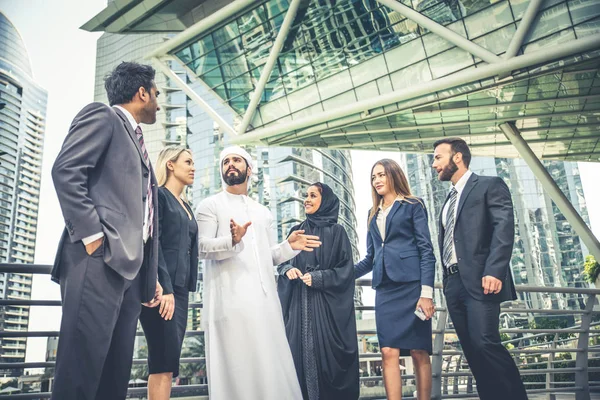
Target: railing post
point(446, 380)
point(550, 375)
point(457, 379)
point(581, 360)
point(438, 348)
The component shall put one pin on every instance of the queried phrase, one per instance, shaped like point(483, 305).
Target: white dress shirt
point(460, 186)
point(91, 238)
point(426, 291)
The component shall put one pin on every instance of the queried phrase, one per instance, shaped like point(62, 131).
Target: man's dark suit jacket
point(101, 182)
point(484, 234)
point(176, 261)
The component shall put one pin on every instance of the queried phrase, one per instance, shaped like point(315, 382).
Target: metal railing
point(551, 360)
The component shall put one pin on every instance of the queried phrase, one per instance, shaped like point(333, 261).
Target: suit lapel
point(131, 133)
point(465, 193)
point(374, 228)
point(388, 219)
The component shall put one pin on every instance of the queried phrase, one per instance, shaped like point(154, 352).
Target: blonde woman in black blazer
point(164, 326)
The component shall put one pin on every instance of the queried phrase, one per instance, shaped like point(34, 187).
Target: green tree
point(551, 323)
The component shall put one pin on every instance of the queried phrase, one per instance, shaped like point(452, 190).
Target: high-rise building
point(547, 251)
point(22, 126)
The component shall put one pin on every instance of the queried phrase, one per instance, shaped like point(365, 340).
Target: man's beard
point(232, 180)
point(448, 171)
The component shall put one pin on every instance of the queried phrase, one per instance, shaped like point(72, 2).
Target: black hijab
point(328, 211)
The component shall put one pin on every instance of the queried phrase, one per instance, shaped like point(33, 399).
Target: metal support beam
point(288, 140)
point(343, 124)
point(460, 124)
point(495, 106)
point(563, 139)
point(431, 139)
point(201, 27)
point(460, 78)
point(195, 97)
point(559, 198)
point(268, 68)
point(523, 28)
point(442, 31)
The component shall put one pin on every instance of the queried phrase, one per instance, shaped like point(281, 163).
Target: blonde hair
point(169, 153)
point(396, 181)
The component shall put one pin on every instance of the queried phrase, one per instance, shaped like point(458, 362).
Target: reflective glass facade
point(341, 52)
point(22, 130)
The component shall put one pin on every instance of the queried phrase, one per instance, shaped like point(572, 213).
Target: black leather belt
point(451, 269)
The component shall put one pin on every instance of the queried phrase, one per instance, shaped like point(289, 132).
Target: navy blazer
point(484, 234)
point(176, 262)
point(406, 253)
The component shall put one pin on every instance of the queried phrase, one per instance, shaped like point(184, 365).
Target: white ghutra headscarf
point(237, 150)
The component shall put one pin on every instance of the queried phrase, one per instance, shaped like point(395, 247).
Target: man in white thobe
point(247, 352)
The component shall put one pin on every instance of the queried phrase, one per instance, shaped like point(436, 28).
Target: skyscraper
point(22, 126)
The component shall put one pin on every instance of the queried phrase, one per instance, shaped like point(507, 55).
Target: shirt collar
point(130, 118)
point(399, 198)
point(460, 185)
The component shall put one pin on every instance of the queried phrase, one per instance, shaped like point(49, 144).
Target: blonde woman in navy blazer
point(400, 254)
point(164, 326)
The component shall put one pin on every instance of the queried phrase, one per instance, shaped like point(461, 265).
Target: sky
point(63, 62)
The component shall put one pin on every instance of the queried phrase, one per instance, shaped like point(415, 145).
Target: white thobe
point(247, 352)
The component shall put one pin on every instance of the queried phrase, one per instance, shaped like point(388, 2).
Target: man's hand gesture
point(299, 241)
point(238, 231)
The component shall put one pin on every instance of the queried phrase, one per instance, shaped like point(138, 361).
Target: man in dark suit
point(106, 262)
point(476, 240)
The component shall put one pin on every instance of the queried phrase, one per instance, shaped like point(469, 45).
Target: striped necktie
point(140, 137)
point(449, 228)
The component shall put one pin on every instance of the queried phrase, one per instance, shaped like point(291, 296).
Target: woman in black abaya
point(316, 290)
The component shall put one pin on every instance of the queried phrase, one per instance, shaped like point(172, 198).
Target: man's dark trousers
point(100, 315)
point(476, 324)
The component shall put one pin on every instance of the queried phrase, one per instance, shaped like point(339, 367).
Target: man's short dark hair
point(458, 146)
point(126, 79)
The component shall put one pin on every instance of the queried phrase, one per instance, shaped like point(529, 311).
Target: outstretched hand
point(299, 241)
point(238, 231)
